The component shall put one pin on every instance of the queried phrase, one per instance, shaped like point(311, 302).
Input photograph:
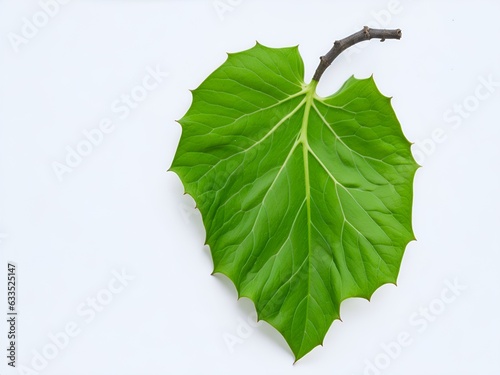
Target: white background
point(120, 210)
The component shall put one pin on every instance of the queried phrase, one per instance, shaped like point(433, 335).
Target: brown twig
point(341, 45)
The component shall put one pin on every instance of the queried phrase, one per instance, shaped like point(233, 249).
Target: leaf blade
point(306, 200)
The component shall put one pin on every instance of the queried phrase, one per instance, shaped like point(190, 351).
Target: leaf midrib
point(305, 154)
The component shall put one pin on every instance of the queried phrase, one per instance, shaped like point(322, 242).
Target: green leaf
point(306, 200)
